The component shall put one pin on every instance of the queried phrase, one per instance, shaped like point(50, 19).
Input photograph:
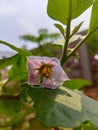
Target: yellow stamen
point(45, 71)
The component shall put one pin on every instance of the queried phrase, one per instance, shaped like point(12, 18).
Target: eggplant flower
point(45, 71)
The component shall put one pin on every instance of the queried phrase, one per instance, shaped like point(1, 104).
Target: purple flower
point(45, 71)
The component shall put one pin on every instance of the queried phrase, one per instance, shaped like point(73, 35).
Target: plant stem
point(67, 36)
point(80, 43)
point(4, 85)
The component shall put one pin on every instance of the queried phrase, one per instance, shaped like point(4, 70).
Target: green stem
point(80, 43)
point(67, 37)
point(4, 85)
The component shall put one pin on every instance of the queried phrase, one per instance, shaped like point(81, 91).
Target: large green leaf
point(58, 9)
point(21, 51)
point(59, 107)
point(91, 108)
point(94, 17)
point(63, 107)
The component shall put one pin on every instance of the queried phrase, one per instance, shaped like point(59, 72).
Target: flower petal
point(33, 62)
point(58, 74)
point(33, 75)
point(49, 83)
point(33, 78)
point(36, 61)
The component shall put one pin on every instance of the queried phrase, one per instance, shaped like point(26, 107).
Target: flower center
point(45, 71)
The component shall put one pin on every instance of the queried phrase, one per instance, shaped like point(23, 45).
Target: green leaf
point(8, 61)
point(63, 107)
point(77, 128)
point(94, 18)
point(21, 51)
point(60, 27)
point(10, 107)
point(19, 70)
point(25, 98)
point(76, 29)
point(89, 128)
point(76, 83)
point(36, 125)
point(91, 108)
point(92, 43)
point(59, 107)
point(58, 9)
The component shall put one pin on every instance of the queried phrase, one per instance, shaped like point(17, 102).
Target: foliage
point(92, 43)
point(59, 9)
point(76, 83)
point(62, 104)
point(42, 38)
point(42, 41)
point(28, 107)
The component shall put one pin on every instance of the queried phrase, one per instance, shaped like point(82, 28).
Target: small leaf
point(60, 27)
point(76, 29)
point(76, 83)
